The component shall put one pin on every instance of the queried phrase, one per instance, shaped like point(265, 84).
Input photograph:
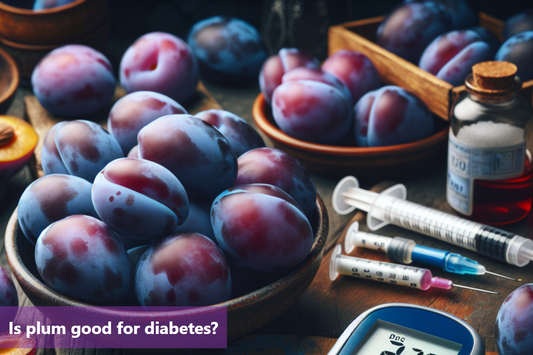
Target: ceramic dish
point(51, 26)
point(28, 55)
point(9, 81)
point(364, 162)
point(246, 313)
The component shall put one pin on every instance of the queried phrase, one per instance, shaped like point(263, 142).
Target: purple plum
point(238, 132)
point(193, 150)
point(139, 198)
point(8, 292)
point(313, 74)
point(410, 27)
point(183, 269)
point(355, 70)
point(134, 111)
point(51, 198)
point(464, 13)
point(277, 65)
point(312, 111)
point(80, 148)
point(519, 51)
point(514, 323)
point(275, 167)
point(80, 257)
point(391, 115)
point(248, 235)
point(451, 56)
point(229, 50)
point(8, 298)
point(160, 62)
point(73, 81)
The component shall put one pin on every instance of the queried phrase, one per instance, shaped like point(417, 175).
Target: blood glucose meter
point(400, 328)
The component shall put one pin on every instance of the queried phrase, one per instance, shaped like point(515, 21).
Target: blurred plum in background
point(229, 50)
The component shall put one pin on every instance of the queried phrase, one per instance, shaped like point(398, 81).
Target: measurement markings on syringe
point(433, 223)
point(386, 272)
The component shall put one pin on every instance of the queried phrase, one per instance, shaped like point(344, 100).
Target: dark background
point(305, 22)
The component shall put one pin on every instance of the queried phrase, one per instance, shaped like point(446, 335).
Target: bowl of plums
point(338, 119)
point(162, 208)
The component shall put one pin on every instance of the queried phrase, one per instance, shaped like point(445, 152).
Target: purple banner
point(115, 327)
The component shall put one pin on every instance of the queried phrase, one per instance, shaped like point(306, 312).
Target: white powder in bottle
point(488, 134)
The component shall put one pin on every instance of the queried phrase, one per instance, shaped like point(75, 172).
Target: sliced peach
point(17, 142)
point(17, 344)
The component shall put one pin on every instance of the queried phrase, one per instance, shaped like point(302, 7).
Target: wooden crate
point(436, 93)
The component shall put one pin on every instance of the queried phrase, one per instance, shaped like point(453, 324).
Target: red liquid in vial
point(498, 202)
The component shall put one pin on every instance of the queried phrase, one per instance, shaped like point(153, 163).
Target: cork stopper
point(493, 79)
point(494, 75)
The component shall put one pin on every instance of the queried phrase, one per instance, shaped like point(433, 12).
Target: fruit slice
point(17, 142)
point(17, 344)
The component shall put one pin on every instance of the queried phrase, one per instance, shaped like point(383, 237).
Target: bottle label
point(467, 163)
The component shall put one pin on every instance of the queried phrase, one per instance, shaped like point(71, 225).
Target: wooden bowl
point(28, 55)
point(52, 26)
point(364, 162)
point(245, 313)
point(9, 81)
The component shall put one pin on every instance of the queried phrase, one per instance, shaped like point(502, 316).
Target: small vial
point(490, 173)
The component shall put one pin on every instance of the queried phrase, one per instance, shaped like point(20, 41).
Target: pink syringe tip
point(441, 283)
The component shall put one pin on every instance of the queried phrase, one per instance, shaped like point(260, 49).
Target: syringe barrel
point(397, 249)
point(383, 272)
point(481, 238)
point(371, 241)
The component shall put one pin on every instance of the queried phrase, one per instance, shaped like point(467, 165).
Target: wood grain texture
point(437, 94)
point(42, 120)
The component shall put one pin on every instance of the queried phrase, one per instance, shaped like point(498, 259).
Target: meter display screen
point(386, 338)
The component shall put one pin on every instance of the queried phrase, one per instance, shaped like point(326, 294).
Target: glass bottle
point(490, 172)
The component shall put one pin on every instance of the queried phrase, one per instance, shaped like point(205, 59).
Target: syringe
point(395, 274)
point(390, 207)
point(405, 251)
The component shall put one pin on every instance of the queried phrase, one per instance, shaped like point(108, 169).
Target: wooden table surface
point(327, 308)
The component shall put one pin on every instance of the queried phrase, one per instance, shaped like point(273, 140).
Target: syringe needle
point(502, 276)
point(404, 251)
point(476, 289)
point(396, 274)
